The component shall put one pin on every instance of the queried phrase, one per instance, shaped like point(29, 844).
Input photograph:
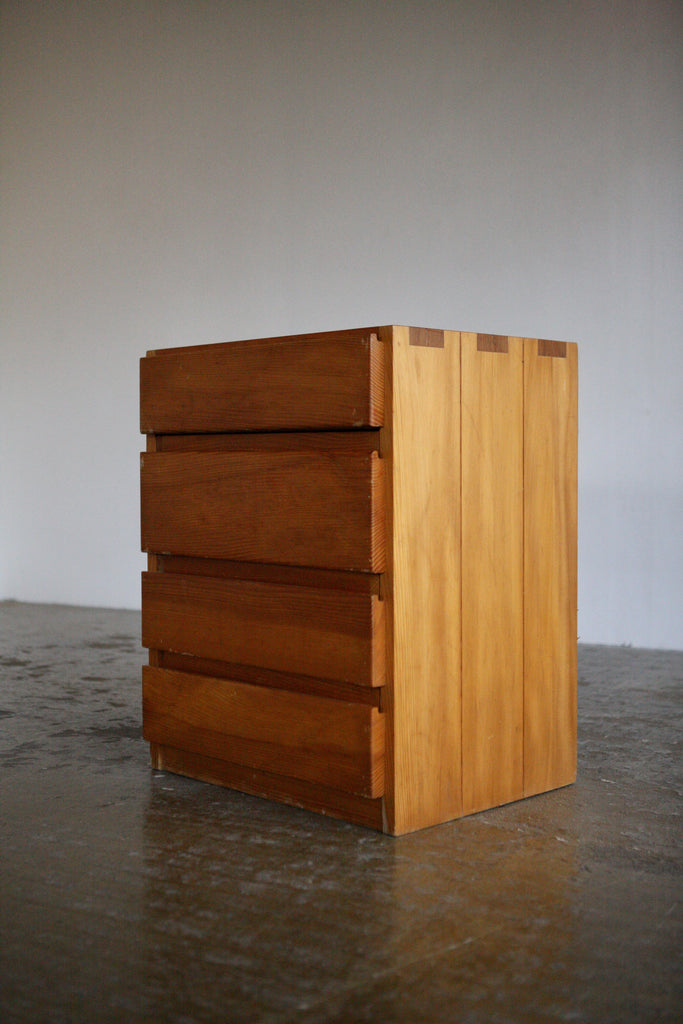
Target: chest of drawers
point(361, 585)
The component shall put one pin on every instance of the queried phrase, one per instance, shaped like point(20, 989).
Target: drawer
point(305, 630)
point(321, 509)
point(314, 739)
point(323, 382)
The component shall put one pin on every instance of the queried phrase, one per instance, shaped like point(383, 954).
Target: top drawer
point(311, 382)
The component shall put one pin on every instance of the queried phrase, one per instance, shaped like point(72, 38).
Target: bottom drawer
point(298, 735)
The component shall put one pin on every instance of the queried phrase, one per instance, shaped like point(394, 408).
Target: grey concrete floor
point(129, 895)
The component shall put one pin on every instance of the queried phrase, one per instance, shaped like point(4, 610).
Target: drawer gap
point(348, 442)
point(301, 576)
point(348, 692)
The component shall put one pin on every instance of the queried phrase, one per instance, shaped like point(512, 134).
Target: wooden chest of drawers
point(361, 590)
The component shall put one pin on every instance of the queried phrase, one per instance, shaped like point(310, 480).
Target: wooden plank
point(297, 508)
point(550, 531)
point(308, 795)
point(421, 443)
point(324, 633)
point(492, 564)
point(326, 383)
point(354, 334)
point(313, 739)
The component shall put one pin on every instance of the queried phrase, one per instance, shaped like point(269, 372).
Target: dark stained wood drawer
point(311, 738)
point(326, 382)
point(307, 630)
point(323, 509)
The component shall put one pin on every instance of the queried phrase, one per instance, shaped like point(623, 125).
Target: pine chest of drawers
point(361, 585)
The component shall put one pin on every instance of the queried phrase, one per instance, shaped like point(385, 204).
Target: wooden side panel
point(296, 508)
point(325, 633)
point(550, 530)
point(314, 739)
point(492, 564)
point(422, 697)
point(271, 384)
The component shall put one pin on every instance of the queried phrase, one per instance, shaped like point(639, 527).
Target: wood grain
point(422, 696)
point(492, 563)
point(550, 531)
point(314, 739)
point(354, 334)
point(298, 508)
point(314, 383)
point(312, 796)
point(316, 632)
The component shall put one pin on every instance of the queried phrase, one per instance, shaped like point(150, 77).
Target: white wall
point(179, 172)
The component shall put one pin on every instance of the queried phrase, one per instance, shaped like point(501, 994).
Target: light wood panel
point(550, 530)
point(422, 698)
point(492, 563)
point(306, 630)
point(313, 739)
point(299, 508)
point(328, 382)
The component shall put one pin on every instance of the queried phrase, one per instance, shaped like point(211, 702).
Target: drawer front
point(323, 382)
point(292, 508)
point(310, 631)
point(311, 738)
